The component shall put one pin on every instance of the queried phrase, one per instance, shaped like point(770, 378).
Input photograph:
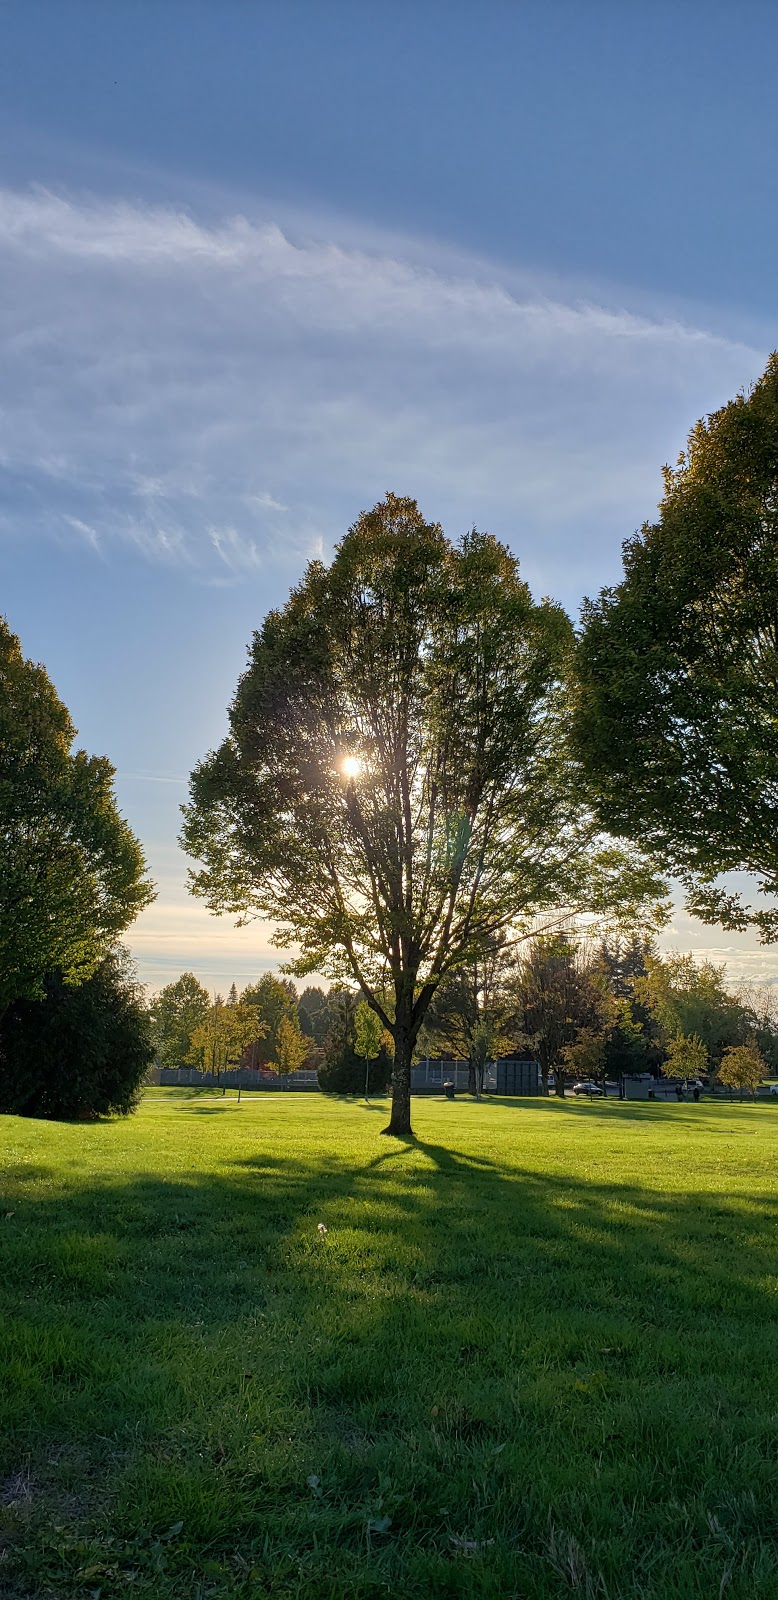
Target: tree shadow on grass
point(671, 1111)
point(471, 1349)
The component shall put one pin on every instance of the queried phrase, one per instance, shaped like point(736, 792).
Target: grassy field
point(534, 1355)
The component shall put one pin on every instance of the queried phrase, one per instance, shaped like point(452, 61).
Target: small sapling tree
point(368, 1037)
point(174, 1013)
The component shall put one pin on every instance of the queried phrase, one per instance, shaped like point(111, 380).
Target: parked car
point(588, 1086)
point(774, 1088)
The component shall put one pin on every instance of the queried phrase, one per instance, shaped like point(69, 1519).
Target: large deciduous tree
point(273, 1000)
point(690, 998)
point(174, 1014)
point(395, 788)
point(678, 667)
point(72, 874)
point(562, 992)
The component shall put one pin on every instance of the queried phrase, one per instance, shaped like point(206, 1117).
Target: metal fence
point(237, 1078)
point(510, 1076)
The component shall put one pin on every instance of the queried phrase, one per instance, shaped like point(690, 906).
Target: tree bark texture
point(400, 1119)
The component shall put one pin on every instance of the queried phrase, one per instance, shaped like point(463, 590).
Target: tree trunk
point(400, 1120)
point(471, 1083)
point(559, 1082)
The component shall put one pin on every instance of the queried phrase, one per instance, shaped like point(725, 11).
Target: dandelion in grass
point(323, 1230)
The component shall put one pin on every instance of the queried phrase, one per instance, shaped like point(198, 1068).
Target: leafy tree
point(561, 993)
point(741, 1067)
point(395, 788)
point(628, 1049)
point(272, 999)
point(342, 1070)
point(687, 1057)
point(474, 1012)
point(174, 1014)
point(72, 875)
point(82, 1050)
point(634, 1043)
point(689, 997)
point(224, 1034)
point(678, 667)
point(314, 1013)
point(368, 1037)
point(585, 1056)
point(759, 1006)
point(292, 1046)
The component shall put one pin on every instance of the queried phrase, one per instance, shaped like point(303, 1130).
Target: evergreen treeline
point(599, 1010)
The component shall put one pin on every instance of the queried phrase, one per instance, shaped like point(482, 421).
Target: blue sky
point(261, 262)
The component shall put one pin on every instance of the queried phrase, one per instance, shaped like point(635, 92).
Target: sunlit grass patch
point(260, 1350)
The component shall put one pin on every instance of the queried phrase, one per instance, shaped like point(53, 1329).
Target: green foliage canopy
point(223, 1034)
point(342, 1070)
point(174, 1014)
point(314, 1013)
point(292, 1046)
point(368, 1032)
point(80, 1051)
point(687, 1057)
point(272, 999)
point(678, 667)
point(72, 874)
point(689, 998)
point(742, 1067)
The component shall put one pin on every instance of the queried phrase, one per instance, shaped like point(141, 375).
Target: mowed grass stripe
point(534, 1354)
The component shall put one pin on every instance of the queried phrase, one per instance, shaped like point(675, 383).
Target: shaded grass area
point(534, 1355)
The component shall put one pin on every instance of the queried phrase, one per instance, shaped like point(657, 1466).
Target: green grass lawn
point(535, 1354)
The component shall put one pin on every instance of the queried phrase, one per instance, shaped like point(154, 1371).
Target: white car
point(774, 1088)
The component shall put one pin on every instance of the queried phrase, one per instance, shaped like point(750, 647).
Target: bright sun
point(352, 766)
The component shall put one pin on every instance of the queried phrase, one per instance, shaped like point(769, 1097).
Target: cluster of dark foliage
point(343, 1072)
point(81, 1051)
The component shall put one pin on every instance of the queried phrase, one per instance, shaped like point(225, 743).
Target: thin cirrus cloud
point(218, 396)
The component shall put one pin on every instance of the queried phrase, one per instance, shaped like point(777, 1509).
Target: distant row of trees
point(602, 1010)
point(270, 1025)
point(596, 1009)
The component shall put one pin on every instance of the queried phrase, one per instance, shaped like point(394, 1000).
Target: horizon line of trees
point(598, 1009)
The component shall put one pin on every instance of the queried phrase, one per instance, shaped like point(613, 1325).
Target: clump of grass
point(247, 1351)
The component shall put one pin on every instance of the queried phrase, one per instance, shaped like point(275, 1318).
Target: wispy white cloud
point(225, 398)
